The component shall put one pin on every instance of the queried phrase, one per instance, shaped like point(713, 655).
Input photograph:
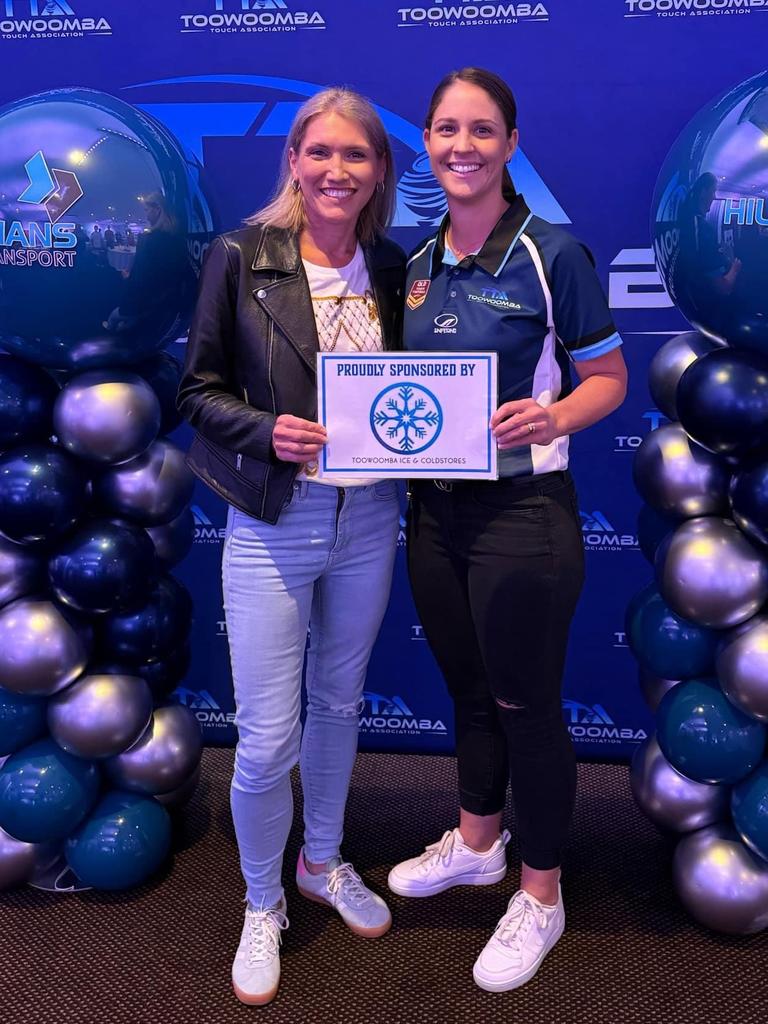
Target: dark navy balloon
point(710, 210)
point(722, 401)
point(42, 493)
point(27, 394)
point(124, 840)
point(164, 676)
point(22, 571)
point(749, 804)
point(173, 541)
point(45, 793)
point(152, 631)
point(664, 643)
point(705, 737)
point(22, 720)
point(652, 528)
point(749, 501)
point(105, 225)
point(163, 373)
point(104, 567)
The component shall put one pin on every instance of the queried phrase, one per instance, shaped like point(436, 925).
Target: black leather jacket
point(251, 357)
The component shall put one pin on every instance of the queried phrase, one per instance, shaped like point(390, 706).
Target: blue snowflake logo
point(406, 418)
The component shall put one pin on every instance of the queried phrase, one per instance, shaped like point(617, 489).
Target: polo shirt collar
point(498, 245)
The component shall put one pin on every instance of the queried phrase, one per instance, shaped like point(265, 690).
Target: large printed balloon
point(720, 882)
point(164, 757)
point(124, 840)
point(42, 648)
point(42, 493)
point(705, 737)
point(669, 364)
point(27, 394)
point(100, 715)
point(105, 228)
point(710, 209)
point(104, 567)
point(152, 489)
point(711, 574)
point(45, 793)
point(670, 800)
point(722, 400)
point(664, 643)
point(680, 478)
point(742, 667)
point(107, 416)
point(750, 810)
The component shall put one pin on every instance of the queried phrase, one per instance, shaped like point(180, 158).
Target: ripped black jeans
point(496, 569)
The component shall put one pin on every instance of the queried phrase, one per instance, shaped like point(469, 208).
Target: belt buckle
point(444, 485)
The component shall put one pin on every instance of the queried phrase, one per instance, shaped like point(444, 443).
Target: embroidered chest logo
point(418, 293)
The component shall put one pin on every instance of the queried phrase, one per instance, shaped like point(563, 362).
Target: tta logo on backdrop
point(244, 16)
point(691, 8)
point(52, 19)
point(469, 14)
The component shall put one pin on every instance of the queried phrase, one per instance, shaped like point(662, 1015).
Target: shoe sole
point(254, 1000)
point(508, 986)
point(364, 933)
point(490, 878)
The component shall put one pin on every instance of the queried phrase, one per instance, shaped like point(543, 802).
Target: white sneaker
point(256, 967)
point(522, 939)
point(342, 888)
point(447, 863)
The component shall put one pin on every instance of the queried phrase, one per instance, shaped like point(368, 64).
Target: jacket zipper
point(239, 457)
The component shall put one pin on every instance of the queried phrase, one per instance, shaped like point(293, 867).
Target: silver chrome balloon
point(173, 540)
point(669, 799)
point(21, 571)
point(742, 667)
point(669, 364)
point(164, 757)
point(180, 796)
point(18, 860)
point(100, 715)
point(654, 687)
point(106, 416)
point(710, 574)
point(678, 477)
point(721, 883)
point(40, 651)
point(152, 489)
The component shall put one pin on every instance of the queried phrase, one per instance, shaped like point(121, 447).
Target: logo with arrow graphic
point(53, 188)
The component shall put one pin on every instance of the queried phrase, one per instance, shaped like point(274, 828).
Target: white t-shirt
point(347, 320)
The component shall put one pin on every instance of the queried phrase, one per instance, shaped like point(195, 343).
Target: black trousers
point(496, 569)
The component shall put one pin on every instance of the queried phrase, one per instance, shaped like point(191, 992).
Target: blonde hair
point(286, 207)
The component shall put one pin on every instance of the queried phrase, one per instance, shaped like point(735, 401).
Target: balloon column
point(104, 224)
point(700, 632)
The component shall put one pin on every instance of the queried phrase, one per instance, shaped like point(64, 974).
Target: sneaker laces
point(439, 851)
point(513, 928)
point(345, 883)
point(264, 938)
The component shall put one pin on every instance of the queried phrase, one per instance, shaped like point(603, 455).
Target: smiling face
point(468, 143)
point(337, 169)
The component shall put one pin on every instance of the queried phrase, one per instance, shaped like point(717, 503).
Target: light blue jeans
point(327, 566)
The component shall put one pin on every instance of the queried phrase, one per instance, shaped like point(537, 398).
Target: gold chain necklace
point(462, 253)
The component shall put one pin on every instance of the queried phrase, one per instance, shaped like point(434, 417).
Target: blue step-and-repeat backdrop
point(603, 88)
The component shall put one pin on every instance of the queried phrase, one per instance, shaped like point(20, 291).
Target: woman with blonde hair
point(311, 271)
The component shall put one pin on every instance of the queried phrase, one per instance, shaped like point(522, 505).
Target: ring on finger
point(531, 427)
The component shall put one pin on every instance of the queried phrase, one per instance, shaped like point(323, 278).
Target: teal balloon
point(45, 793)
point(22, 720)
point(705, 737)
point(664, 643)
point(124, 840)
point(749, 805)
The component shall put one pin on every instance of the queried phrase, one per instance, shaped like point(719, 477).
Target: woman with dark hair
point(496, 567)
point(312, 271)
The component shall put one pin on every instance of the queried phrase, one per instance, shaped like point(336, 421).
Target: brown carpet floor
point(162, 953)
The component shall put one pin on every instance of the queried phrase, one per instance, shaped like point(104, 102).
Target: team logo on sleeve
point(418, 293)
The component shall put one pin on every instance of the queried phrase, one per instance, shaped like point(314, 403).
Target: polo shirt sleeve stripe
point(582, 318)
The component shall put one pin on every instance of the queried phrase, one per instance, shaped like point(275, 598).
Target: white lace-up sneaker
point(447, 863)
point(256, 967)
point(522, 939)
point(342, 888)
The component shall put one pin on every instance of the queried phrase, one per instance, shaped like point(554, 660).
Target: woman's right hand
point(297, 440)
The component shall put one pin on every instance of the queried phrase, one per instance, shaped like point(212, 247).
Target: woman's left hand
point(517, 424)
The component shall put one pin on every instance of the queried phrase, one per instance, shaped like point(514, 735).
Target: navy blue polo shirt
point(532, 295)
